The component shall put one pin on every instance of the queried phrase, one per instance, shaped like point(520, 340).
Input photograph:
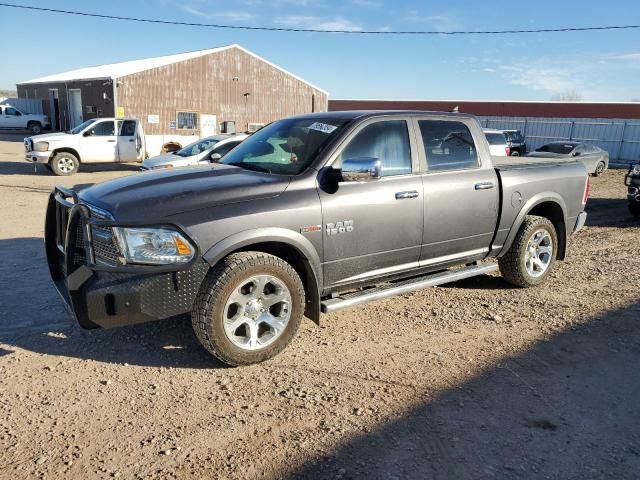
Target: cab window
point(387, 141)
point(126, 128)
point(12, 111)
point(448, 145)
point(103, 129)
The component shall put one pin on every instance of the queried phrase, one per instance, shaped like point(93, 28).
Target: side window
point(126, 128)
point(226, 148)
point(387, 141)
point(448, 145)
point(103, 129)
point(12, 111)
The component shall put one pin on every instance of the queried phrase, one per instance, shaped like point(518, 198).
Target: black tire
point(64, 164)
point(35, 128)
point(513, 264)
point(226, 278)
point(634, 208)
point(515, 153)
point(599, 169)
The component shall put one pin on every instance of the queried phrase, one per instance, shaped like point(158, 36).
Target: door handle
point(111, 141)
point(484, 185)
point(132, 140)
point(409, 194)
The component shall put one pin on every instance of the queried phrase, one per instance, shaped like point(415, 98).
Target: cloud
point(440, 22)
point(627, 57)
point(317, 23)
point(230, 15)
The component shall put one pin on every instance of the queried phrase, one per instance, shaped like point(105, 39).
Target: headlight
point(41, 146)
point(155, 246)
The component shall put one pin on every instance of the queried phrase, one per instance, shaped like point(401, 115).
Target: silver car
point(208, 149)
point(595, 159)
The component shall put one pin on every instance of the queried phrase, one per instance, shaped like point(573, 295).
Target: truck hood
point(170, 159)
point(151, 196)
point(53, 137)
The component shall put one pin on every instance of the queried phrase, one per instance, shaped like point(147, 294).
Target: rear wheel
point(249, 308)
point(35, 128)
point(599, 169)
point(64, 164)
point(515, 153)
point(529, 260)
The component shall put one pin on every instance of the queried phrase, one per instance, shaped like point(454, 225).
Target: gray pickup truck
point(311, 214)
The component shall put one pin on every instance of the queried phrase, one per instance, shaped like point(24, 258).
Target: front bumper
point(110, 296)
point(37, 157)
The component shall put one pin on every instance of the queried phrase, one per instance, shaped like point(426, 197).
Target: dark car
point(516, 142)
point(632, 181)
point(595, 159)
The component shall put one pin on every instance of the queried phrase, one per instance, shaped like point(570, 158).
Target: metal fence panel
point(27, 105)
point(620, 137)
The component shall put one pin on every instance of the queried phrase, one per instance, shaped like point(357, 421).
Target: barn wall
point(216, 84)
point(92, 92)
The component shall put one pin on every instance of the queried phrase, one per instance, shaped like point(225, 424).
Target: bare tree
point(567, 96)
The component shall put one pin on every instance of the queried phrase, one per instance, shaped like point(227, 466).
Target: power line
point(313, 30)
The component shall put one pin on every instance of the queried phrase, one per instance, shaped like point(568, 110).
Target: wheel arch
point(70, 150)
point(548, 205)
point(291, 246)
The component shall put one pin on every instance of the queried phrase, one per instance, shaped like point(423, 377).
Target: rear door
point(99, 143)
point(129, 143)
point(374, 228)
point(461, 194)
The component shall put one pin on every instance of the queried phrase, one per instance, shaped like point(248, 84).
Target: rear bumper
point(100, 296)
point(580, 221)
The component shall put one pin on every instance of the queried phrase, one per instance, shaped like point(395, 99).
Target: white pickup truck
point(101, 140)
point(12, 118)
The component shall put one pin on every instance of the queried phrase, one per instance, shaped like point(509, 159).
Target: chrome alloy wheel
point(65, 164)
point(539, 253)
point(257, 312)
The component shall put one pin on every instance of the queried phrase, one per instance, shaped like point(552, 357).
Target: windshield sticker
point(322, 127)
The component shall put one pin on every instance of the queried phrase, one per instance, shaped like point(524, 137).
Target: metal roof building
point(194, 93)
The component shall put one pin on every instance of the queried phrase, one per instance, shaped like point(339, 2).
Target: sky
point(598, 66)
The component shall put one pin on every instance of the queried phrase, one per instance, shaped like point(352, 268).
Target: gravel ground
point(473, 380)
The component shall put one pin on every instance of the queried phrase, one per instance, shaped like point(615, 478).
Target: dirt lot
point(475, 380)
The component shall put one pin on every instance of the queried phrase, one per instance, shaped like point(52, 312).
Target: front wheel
point(249, 308)
point(64, 164)
point(599, 169)
point(515, 153)
point(529, 260)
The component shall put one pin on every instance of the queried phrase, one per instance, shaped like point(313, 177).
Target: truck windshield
point(197, 147)
point(286, 147)
point(82, 126)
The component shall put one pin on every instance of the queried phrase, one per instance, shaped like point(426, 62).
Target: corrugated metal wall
point(27, 105)
point(620, 137)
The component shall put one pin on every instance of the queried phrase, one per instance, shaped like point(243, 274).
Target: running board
point(405, 286)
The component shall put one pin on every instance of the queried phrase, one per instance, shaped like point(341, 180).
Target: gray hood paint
point(169, 192)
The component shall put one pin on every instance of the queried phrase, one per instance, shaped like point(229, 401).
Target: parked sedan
point(595, 159)
point(208, 149)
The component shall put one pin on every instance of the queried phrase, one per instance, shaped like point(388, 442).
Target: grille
point(105, 249)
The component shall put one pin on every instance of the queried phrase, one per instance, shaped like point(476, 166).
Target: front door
point(129, 145)
point(13, 118)
point(99, 143)
point(460, 194)
point(373, 228)
point(75, 107)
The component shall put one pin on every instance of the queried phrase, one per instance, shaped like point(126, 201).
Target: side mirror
point(214, 157)
point(87, 133)
point(575, 154)
point(361, 169)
